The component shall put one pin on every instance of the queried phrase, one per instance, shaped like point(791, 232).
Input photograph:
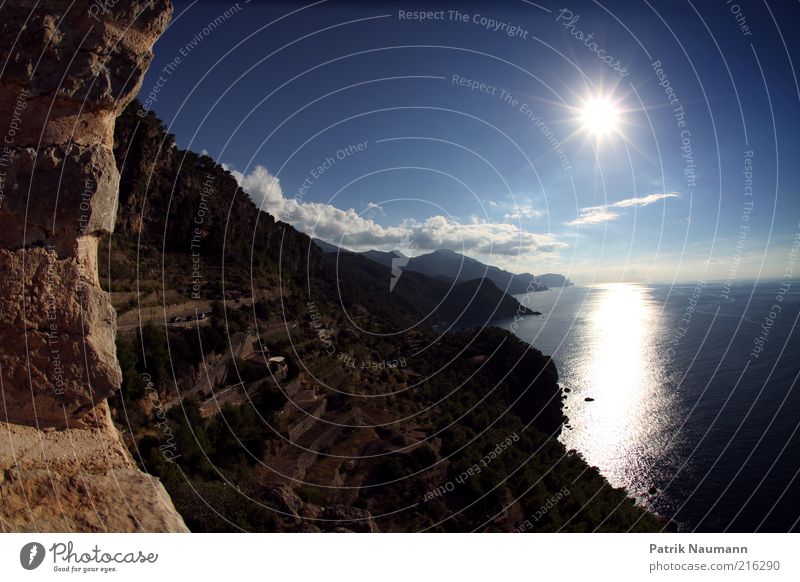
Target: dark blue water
point(687, 413)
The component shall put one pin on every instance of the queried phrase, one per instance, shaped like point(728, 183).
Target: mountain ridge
point(456, 266)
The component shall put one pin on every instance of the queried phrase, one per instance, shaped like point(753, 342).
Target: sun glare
point(600, 116)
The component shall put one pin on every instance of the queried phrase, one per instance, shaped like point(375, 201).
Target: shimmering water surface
point(682, 413)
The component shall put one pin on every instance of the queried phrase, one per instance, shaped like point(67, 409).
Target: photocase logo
point(400, 260)
point(31, 555)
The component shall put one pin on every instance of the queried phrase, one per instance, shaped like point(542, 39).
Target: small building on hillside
point(277, 365)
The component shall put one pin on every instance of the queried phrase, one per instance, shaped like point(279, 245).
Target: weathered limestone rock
point(78, 480)
point(63, 326)
point(69, 68)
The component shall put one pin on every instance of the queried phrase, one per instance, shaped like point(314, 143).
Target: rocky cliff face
point(69, 68)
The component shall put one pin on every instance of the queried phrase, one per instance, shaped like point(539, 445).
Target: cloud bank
point(356, 231)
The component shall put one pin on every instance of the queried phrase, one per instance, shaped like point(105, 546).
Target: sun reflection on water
point(621, 370)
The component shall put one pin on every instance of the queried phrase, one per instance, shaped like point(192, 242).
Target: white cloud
point(644, 200)
point(355, 231)
point(439, 232)
point(598, 214)
point(522, 212)
point(593, 215)
point(264, 189)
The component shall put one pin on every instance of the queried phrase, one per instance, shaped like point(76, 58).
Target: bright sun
point(599, 116)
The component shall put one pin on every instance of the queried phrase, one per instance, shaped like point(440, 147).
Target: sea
point(686, 395)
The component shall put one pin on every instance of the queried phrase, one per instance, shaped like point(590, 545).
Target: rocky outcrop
point(78, 480)
point(69, 68)
point(301, 517)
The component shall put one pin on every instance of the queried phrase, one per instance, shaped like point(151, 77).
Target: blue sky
point(365, 126)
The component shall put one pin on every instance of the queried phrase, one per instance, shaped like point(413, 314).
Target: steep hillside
point(454, 265)
point(364, 284)
point(185, 218)
point(184, 208)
